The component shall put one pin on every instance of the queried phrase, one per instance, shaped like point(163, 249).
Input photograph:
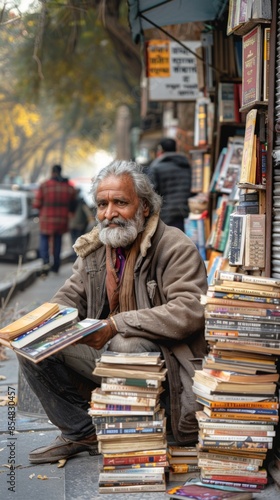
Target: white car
point(19, 224)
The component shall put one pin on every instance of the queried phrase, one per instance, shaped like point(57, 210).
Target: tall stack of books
point(130, 424)
point(237, 385)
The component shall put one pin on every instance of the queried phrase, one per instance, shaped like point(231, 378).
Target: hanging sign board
point(172, 70)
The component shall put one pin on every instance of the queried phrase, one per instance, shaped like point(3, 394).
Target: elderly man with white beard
point(144, 279)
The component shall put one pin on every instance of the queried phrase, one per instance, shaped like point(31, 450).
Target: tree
point(74, 71)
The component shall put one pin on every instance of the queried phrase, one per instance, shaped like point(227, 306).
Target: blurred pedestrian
point(55, 199)
point(170, 174)
point(82, 219)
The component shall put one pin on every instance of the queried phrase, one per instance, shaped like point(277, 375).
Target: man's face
point(120, 213)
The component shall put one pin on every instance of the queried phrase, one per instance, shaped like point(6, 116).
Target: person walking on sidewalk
point(144, 279)
point(170, 174)
point(56, 200)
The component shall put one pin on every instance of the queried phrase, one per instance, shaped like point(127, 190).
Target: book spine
point(255, 243)
point(100, 412)
point(109, 399)
point(238, 438)
point(119, 407)
point(134, 459)
point(245, 404)
point(262, 326)
point(131, 489)
point(144, 430)
point(235, 427)
point(212, 443)
point(127, 425)
point(235, 311)
point(129, 389)
point(236, 432)
point(251, 411)
point(238, 465)
point(112, 419)
point(225, 416)
point(244, 291)
point(235, 484)
point(132, 381)
point(246, 278)
point(243, 479)
point(212, 333)
point(135, 466)
point(243, 298)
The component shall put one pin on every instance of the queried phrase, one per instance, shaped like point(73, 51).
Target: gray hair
point(142, 184)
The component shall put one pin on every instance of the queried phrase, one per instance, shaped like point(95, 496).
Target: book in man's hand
point(64, 318)
point(29, 321)
point(56, 340)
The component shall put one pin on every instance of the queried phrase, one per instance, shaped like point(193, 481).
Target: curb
point(26, 275)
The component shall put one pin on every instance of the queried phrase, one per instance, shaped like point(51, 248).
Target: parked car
point(19, 223)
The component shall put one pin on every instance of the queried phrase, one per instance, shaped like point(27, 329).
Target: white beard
point(126, 232)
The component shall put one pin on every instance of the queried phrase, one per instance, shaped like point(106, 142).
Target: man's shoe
point(63, 448)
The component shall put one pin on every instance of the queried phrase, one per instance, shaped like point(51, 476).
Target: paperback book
point(55, 341)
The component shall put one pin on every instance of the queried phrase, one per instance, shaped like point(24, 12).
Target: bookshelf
point(256, 123)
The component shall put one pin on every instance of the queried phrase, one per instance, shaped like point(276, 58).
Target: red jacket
point(55, 199)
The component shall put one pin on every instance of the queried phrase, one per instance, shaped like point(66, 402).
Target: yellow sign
point(158, 58)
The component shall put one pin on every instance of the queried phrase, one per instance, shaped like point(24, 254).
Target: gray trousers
point(52, 382)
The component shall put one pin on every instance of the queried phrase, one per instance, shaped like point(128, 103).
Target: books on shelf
point(252, 66)
point(197, 170)
point(237, 232)
point(255, 241)
point(242, 12)
point(266, 61)
point(247, 174)
point(230, 170)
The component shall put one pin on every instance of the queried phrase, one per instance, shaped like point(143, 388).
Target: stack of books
point(182, 463)
point(130, 424)
point(237, 385)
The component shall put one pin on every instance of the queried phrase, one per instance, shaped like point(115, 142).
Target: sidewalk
point(78, 479)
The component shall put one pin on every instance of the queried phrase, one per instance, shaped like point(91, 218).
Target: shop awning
point(145, 14)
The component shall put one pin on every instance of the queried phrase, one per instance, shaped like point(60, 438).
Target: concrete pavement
point(25, 427)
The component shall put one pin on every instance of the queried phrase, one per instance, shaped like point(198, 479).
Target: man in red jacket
point(55, 200)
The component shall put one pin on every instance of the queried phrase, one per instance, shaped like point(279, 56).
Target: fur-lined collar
point(90, 242)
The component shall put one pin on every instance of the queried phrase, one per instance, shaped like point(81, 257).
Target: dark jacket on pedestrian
point(169, 278)
point(170, 174)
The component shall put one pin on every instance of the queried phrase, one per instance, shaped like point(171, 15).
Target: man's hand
point(99, 338)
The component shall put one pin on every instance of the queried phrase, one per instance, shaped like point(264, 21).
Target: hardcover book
point(252, 66)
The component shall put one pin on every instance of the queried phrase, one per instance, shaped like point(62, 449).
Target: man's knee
point(131, 344)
